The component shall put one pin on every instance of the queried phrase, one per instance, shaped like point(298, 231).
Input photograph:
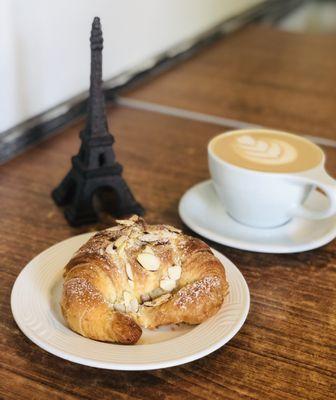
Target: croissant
point(135, 275)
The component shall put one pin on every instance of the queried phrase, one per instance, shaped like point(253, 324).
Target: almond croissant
point(136, 275)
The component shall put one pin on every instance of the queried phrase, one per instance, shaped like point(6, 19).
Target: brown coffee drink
point(268, 151)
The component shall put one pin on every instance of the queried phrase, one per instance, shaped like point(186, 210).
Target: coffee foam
point(267, 150)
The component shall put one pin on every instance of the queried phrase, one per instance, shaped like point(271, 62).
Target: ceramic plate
point(202, 211)
point(35, 306)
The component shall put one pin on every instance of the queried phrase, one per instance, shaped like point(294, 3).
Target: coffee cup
point(263, 177)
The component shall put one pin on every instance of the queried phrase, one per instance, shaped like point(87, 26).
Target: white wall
point(44, 44)
point(317, 17)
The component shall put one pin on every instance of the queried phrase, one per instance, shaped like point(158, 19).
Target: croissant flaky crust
point(137, 275)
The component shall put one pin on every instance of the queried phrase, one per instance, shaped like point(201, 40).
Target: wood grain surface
point(285, 350)
point(258, 75)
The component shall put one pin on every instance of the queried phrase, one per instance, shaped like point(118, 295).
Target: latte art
point(265, 151)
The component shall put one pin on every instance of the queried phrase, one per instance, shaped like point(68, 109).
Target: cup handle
point(319, 179)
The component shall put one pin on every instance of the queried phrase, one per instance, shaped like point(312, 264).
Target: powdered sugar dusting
point(82, 290)
point(176, 253)
point(190, 294)
point(117, 247)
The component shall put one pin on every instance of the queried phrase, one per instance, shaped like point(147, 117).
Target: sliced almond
point(148, 259)
point(133, 305)
point(129, 271)
point(114, 228)
point(174, 272)
point(135, 234)
point(101, 252)
point(167, 284)
point(121, 250)
point(131, 284)
point(149, 303)
point(120, 241)
point(156, 293)
point(158, 301)
point(120, 307)
point(126, 222)
point(158, 236)
point(134, 218)
point(173, 229)
point(127, 297)
point(110, 249)
point(150, 237)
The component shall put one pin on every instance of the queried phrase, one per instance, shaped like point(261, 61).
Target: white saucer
point(36, 310)
point(201, 210)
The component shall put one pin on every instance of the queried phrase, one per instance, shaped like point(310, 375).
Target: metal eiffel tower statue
point(94, 168)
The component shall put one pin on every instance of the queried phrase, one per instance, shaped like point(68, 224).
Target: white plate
point(36, 310)
point(201, 210)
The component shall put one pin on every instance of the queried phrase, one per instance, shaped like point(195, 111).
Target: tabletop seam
point(205, 118)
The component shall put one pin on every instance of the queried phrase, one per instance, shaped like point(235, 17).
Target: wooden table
point(258, 75)
point(286, 349)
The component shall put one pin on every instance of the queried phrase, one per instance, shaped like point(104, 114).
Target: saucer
point(201, 210)
point(35, 303)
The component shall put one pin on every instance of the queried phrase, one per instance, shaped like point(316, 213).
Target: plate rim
point(243, 244)
point(128, 366)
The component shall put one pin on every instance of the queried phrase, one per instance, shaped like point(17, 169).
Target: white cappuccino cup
point(263, 176)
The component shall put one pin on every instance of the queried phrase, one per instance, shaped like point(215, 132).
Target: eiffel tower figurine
point(94, 168)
